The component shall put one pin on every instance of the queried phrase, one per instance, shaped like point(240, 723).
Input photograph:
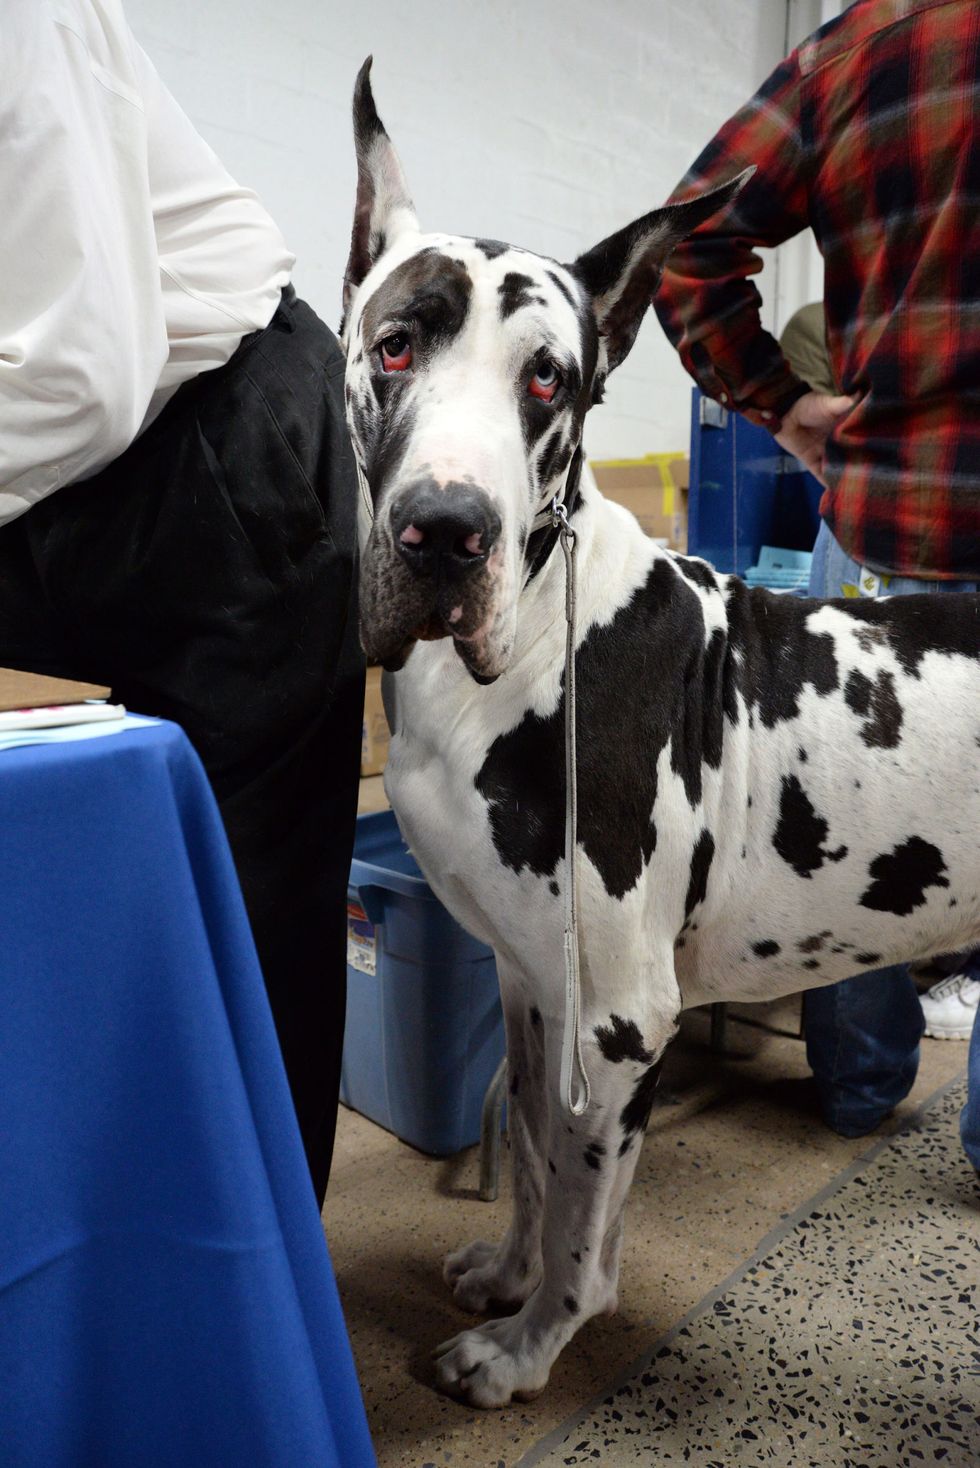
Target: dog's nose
point(446, 530)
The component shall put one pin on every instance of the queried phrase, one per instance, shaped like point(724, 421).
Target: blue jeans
point(862, 1035)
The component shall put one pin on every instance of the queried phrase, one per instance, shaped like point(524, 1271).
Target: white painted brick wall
point(548, 123)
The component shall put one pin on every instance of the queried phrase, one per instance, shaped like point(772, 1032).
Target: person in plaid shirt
point(867, 134)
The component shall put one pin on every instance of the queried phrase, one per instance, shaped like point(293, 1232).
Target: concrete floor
point(733, 1147)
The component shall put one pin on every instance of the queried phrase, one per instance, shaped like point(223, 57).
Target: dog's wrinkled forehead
point(441, 282)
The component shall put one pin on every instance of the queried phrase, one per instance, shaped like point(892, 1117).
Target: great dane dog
point(772, 793)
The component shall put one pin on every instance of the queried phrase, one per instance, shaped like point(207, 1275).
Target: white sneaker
point(950, 1007)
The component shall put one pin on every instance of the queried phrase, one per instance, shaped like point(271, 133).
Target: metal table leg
point(493, 1106)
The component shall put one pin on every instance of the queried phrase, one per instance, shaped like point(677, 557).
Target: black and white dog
point(773, 793)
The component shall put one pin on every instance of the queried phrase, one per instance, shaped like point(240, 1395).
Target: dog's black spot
point(535, 1015)
point(766, 948)
point(914, 626)
point(812, 944)
point(901, 876)
point(800, 833)
point(554, 456)
point(551, 1167)
point(719, 698)
point(869, 639)
point(554, 888)
point(698, 572)
point(802, 756)
point(429, 291)
point(515, 291)
point(680, 942)
point(697, 886)
point(748, 803)
point(564, 288)
point(636, 1113)
point(811, 963)
point(515, 1082)
point(878, 703)
point(655, 640)
point(592, 1159)
point(867, 958)
point(621, 1040)
point(576, 1256)
point(571, 1304)
point(491, 248)
point(779, 655)
point(385, 432)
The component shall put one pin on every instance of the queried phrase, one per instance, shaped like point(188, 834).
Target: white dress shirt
point(130, 260)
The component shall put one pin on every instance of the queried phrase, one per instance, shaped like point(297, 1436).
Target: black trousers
point(208, 576)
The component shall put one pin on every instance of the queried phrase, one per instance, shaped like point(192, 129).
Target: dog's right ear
point(383, 208)
point(622, 273)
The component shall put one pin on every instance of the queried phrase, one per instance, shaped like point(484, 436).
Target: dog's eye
point(545, 382)
point(396, 352)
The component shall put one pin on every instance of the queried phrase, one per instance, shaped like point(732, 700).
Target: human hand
point(807, 425)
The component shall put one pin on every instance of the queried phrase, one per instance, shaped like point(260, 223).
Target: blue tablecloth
point(166, 1296)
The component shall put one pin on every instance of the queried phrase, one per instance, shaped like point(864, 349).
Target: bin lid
point(382, 859)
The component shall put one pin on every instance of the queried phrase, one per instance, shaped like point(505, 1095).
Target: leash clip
point(559, 518)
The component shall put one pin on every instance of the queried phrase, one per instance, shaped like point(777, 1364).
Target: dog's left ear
point(383, 208)
point(622, 273)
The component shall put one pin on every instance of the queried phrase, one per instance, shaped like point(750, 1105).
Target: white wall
point(545, 122)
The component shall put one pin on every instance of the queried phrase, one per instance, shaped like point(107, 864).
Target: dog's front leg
point(483, 1275)
point(590, 1165)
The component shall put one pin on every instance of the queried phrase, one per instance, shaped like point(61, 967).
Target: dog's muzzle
point(430, 570)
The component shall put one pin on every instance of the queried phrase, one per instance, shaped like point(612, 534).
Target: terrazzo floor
point(734, 1155)
point(851, 1338)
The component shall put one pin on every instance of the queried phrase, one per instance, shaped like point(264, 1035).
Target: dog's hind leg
point(483, 1275)
point(590, 1162)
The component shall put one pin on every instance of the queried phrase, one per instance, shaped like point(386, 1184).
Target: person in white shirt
point(177, 491)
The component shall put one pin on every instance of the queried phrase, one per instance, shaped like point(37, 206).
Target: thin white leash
point(571, 1046)
point(555, 516)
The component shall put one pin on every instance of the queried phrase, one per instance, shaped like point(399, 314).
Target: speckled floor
point(851, 1338)
point(733, 1154)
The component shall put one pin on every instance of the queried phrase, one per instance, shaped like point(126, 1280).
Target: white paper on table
point(66, 733)
point(59, 715)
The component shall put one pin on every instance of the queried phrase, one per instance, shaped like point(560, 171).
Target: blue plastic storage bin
point(425, 1030)
point(745, 491)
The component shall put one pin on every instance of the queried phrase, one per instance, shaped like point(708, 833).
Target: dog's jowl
point(772, 793)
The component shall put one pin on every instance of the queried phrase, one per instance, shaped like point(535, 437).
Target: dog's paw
point(488, 1367)
point(482, 1276)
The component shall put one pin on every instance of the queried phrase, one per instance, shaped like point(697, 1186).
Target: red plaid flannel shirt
point(869, 134)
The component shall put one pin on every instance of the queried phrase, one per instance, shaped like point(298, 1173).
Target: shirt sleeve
point(82, 332)
point(707, 303)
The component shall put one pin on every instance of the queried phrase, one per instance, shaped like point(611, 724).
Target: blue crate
point(745, 491)
point(425, 1030)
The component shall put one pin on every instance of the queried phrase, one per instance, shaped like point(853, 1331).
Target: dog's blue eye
point(545, 382)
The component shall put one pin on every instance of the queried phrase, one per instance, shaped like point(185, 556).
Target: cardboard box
point(37, 690)
point(375, 736)
point(653, 488)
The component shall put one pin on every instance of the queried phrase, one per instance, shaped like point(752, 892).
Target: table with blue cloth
point(166, 1296)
